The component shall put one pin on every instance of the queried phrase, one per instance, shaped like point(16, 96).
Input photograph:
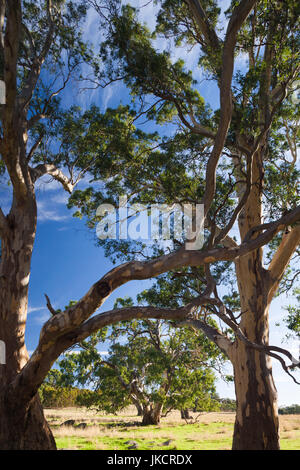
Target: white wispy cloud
point(40, 314)
point(45, 213)
point(35, 309)
point(60, 198)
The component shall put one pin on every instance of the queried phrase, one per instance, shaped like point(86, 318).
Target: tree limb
point(49, 350)
point(137, 270)
point(205, 27)
point(227, 346)
point(50, 169)
point(290, 218)
point(282, 257)
point(49, 306)
point(239, 15)
point(71, 326)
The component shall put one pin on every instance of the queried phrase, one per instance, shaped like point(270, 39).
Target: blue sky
point(66, 260)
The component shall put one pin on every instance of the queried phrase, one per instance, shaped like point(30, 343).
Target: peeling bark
point(256, 425)
point(22, 424)
point(23, 428)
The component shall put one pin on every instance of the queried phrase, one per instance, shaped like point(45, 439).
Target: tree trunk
point(185, 414)
point(22, 424)
point(139, 409)
point(24, 427)
point(152, 415)
point(256, 425)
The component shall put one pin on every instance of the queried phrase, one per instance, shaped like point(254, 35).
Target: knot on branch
point(103, 288)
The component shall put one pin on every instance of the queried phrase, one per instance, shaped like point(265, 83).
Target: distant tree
point(227, 404)
point(149, 364)
point(289, 410)
point(236, 156)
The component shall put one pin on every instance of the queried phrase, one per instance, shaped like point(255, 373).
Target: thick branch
point(49, 169)
point(239, 15)
point(70, 326)
point(224, 343)
point(137, 270)
point(290, 218)
point(47, 351)
point(282, 257)
point(205, 27)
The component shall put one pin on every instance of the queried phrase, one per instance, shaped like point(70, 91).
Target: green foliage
point(56, 393)
point(292, 320)
point(148, 362)
point(289, 410)
point(169, 166)
point(227, 404)
point(59, 397)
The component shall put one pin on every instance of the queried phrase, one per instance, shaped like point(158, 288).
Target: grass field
point(211, 431)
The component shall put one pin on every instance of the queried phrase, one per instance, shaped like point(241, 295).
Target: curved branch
point(281, 259)
point(71, 326)
point(138, 270)
point(50, 169)
point(290, 218)
point(49, 349)
point(224, 343)
point(239, 15)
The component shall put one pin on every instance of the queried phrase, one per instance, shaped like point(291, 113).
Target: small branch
point(49, 306)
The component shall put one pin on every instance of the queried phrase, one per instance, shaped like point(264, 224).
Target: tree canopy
point(149, 364)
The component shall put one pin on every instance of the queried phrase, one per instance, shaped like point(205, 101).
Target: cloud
point(60, 198)
point(35, 309)
point(46, 214)
point(40, 318)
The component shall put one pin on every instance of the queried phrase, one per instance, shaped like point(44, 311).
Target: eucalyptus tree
point(150, 364)
point(238, 160)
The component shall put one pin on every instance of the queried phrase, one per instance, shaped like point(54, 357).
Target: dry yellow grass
point(58, 416)
point(103, 427)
